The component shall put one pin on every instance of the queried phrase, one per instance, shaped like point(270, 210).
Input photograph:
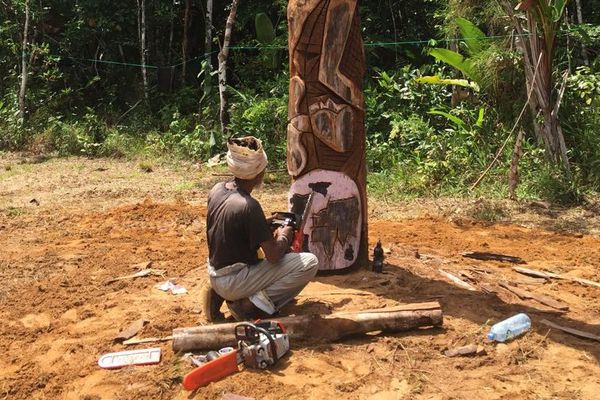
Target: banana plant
point(474, 42)
point(265, 34)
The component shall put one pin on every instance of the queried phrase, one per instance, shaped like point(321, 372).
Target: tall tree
point(586, 60)
point(208, 46)
point(537, 42)
point(223, 55)
point(184, 41)
point(143, 49)
point(23, 87)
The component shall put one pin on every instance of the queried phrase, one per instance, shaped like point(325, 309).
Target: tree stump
point(326, 135)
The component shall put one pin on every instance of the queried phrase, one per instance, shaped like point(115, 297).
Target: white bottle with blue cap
point(510, 328)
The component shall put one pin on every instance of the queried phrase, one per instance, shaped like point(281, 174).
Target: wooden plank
point(457, 281)
point(478, 255)
point(552, 275)
point(524, 294)
point(574, 332)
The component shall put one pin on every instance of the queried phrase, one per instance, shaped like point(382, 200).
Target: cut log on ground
point(312, 329)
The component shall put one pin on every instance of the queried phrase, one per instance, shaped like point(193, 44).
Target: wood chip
point(574, 332)
point(232, 396)
point(493, 257)
point(131, 330)
point(468, 350)
point(459, 282)
point(524, 294)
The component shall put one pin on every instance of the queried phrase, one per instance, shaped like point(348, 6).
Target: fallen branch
point(319, 328)
point(574, 332)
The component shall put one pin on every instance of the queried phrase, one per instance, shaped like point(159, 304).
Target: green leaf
point(479, 122)
point(558, 8)
point(437, 80)
point(459, 122)
point(472, 35)
point(453, 59)
point(265, 33)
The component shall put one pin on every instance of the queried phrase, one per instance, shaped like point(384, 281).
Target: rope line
point(267, 47)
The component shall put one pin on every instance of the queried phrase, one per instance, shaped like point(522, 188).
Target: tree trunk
point(313, 329)
point(23, 87)
point(208, 48)
point(142, 38)
point(223, 55)
point(184, 42)
point(513, 174)
point(586, 60)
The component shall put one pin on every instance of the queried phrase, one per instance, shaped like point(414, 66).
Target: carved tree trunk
point(223, 55)
point(326, 137)
point(184, 41)
point(513, 173)
point(23, 87)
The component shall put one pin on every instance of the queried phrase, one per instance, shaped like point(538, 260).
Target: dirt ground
point(69, 225)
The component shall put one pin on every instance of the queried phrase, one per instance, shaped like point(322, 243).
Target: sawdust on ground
point(96, 219)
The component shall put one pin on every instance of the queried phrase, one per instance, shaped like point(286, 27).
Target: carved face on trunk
point(326, 122)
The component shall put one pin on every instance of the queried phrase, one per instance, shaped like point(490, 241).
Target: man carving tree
point(237, 229)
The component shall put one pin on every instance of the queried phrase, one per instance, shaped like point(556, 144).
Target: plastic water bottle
point(510, 328)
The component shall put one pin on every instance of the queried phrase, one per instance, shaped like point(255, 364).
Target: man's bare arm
point(277, 247)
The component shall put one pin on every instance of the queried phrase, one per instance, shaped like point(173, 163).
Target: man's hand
point(276, 248)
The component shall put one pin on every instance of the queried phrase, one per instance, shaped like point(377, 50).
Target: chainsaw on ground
point(260, 345)
point(283, 219)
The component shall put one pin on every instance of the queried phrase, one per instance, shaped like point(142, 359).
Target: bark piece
point(574, 332)
point(468, 350)
point(232, 396)
point(526, 295)
point(457, 281)
point(131, 330)
point(311, 329)
point(552, 275)
point(478, 255)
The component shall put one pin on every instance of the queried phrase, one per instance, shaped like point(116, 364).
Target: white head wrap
point(246, 157)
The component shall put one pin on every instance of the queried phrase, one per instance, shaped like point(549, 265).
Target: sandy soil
point(93, 220)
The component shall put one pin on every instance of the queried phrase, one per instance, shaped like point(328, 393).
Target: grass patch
point(146, 166)
point(487, 211)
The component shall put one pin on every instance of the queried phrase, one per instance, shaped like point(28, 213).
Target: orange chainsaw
point(260, 345)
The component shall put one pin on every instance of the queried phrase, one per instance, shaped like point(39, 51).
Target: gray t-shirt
point(235, 227)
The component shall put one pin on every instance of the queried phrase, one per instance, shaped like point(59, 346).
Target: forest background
point(451, 106)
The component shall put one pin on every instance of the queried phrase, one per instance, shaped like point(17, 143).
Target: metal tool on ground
point(260, 345)
point(131, 357)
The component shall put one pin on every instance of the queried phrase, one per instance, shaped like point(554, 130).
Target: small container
point(509, 328)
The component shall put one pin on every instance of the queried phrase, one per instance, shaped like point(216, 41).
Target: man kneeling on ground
point(236, 229)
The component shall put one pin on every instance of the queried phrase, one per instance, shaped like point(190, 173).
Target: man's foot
point(211, 305)
point(245, 310)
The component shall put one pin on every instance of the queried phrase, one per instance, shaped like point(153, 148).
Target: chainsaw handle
point(212, 371)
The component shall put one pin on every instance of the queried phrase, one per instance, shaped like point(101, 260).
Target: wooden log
point(312, 329)
point(457, 281)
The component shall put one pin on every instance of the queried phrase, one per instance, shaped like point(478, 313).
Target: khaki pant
point(268, 286)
